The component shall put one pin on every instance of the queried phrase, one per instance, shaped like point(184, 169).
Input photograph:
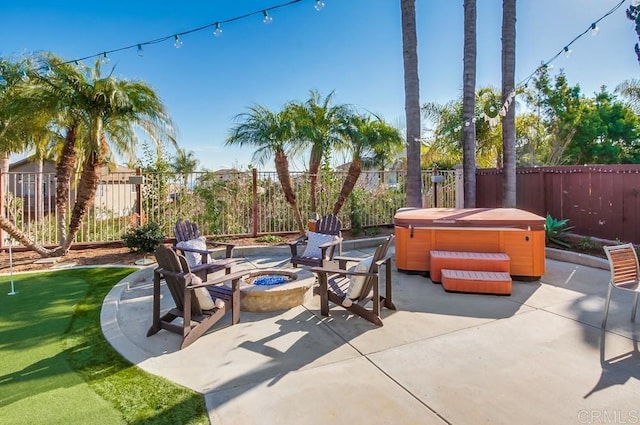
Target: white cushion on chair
point(357, 282)
point(193, 258)
point(313, 244)
point(204, 297)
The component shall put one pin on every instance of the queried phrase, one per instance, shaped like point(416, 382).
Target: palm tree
point(445, 144)
point(412, 101)
point(372, 141)
point(468, 104)
point(271, 133)
point(185, 163)
point(630, 90)
point(317, 127)
point(100, 116)
point(508, 93)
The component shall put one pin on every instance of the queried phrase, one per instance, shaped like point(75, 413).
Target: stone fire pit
point(297, 290)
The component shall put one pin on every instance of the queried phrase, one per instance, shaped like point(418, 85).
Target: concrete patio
point(442, 358)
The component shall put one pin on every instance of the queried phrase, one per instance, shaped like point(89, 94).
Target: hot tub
point(517, 233)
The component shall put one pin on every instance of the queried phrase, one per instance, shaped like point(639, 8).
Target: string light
point(566, 48)
point(218, 31)
point(567, 51)
point(217, 25)
point(595, 29)
point(177, 43)
point(105, 59)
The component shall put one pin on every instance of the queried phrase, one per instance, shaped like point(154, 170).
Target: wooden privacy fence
point(601, 201)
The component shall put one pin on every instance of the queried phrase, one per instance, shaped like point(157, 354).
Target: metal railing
point(226, 204)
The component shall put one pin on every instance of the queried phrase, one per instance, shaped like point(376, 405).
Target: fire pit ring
point(297, 290)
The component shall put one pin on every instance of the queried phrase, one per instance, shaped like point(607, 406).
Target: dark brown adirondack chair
point(327, 225)
point(174, 269)
point(185, 231)
point(334, 285)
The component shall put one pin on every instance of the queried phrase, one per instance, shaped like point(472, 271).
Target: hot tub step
point(474, 281)
point(478, 261)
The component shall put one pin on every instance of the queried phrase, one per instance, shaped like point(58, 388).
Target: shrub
point(555, 231)
point(145, 238)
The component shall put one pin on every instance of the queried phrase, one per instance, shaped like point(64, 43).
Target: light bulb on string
point(105, 59)
point(218, 31)
point(567, 51)
point(140, 51)
point(266, 18)
point(594, 29)
point(177, 42)
point(319, 5)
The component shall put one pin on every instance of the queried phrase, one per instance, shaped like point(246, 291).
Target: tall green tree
point(412, 102)
point(317, 125)
point(561, 109)
point(508, 95)
point(371, 141)
point(468, 104)
point(608, 133)
point(271, 134)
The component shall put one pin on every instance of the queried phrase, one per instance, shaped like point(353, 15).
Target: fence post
point(459, 179)
point(254, 184)
point(4, 170)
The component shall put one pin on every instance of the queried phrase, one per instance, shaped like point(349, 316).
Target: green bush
point(555, 231)
point(145, 238)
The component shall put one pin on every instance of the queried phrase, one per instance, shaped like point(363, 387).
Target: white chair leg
point(606, 308)
point(635, 307)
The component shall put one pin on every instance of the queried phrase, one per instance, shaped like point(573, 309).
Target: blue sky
point(351, 46)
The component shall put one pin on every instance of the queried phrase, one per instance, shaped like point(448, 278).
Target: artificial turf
point(56, 367)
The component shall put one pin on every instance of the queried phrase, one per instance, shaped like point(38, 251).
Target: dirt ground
point(91, 255)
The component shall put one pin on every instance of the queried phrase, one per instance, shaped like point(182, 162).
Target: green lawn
point(56, 367)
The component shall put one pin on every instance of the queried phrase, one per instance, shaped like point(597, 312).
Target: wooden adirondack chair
point(328, 225)
point(174, 269)
point(334, 285)
point(187, 231)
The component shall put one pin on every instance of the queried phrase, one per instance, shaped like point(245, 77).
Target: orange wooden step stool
point(479, 282)
point(478, 261)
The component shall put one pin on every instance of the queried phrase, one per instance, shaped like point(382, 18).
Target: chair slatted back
point(379, 254)
point(186, 230)
point(329, 225)
point(170, 261)
point(623, 262)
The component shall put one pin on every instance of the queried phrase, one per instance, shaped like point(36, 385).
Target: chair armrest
point(293, 245)
point(229, 247)
point(340, 272)
point(223, 278)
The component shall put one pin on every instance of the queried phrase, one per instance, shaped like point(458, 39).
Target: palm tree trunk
point(508, 87)
point(468, 104)
point(314, 169)
point(282, 169)
point(16, 234)
point(412, 101)
point(64, 169)
point(87, 187)
point(355, 169)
